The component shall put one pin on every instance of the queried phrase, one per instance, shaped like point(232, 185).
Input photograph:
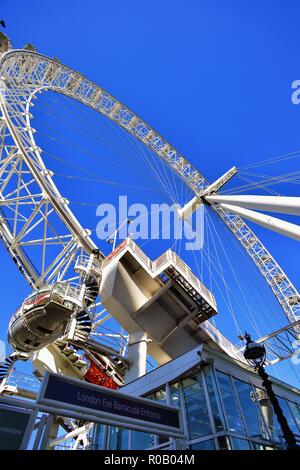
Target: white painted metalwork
point(29, 199)
point(272, 223)
point(282, 343)
point(80, 432)
point(280, 204)
point(186, 211)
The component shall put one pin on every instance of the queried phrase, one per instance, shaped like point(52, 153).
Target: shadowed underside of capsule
point(163, 298)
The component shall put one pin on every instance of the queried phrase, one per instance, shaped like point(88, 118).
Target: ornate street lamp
point(255, 355)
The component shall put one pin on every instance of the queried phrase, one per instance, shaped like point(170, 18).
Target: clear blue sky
point(213, 77)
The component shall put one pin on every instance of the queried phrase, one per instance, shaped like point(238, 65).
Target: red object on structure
point(119, 248)
point(96, 375)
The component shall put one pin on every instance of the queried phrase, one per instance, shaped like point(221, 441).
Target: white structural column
point(186, 211)
point(267, 221)
point(280, 204)
point(137, 356)
point(191, 207)
point(83, 430)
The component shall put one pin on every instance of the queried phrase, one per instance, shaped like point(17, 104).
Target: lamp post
point(255, 354)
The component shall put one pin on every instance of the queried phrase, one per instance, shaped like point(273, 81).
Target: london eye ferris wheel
point(56, 127)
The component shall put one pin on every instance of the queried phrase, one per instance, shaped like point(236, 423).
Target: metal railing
point(23, 381)
point(63, 293)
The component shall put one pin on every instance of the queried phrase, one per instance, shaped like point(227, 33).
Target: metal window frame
point(267, 429)
point(208, 437)
point(221, 397)
point(236, 396)
point(244, 438)
point(230, 433)
point(253, 386)
point(227, 433)
point(39, 433)
point(289, 408)
point(173, 443)
point(247, 374)
point(216, 393)
point(187, 431)
point(297, 405)
point(208, 404)
point(184, 421)
point(264, 442)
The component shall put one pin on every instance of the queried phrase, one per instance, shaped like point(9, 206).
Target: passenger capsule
point(43, 317)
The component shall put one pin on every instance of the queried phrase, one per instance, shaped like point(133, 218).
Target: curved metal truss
point(30, 200)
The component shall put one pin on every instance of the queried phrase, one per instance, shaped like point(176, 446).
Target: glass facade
point(218, 411)
point(251, 411)
point(240, 444)
point(229, 398)
point(196, 407)
point(295, 409)
point(277, 432)
point(289, 415)
point(204, 445)
point(175, 395)
point(215, 405)
point(141, 440)
point(118, 438)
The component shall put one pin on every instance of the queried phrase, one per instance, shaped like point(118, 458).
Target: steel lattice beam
point(23, 72)
point(281, 344)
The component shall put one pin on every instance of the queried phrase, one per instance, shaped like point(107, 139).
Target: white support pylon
point(186, 211)
point(267, 221)
point(280, 204)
